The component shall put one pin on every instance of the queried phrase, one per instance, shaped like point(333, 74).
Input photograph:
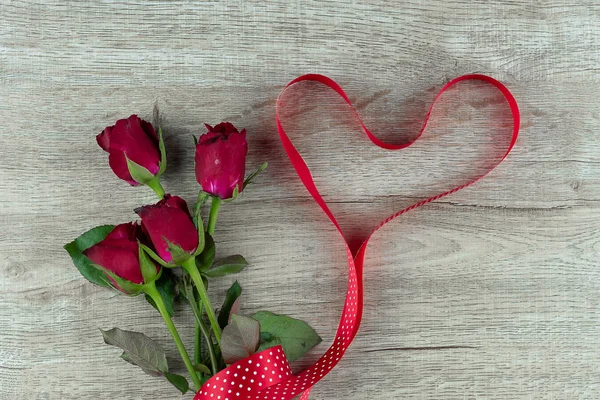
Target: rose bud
point(118, 255)
point(134, 150)
point(170, 227)
point(221, 160)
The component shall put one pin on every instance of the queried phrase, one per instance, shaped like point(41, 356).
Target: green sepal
point(179, 255)
point(253, 175)
point(148, 268)
point(234, 195)
point(81, 262)
point(124, 286)
point(163, 153)
point(201, 234)
point(202, 198)
point(139, 173)
point(156, 257)
point(195, 140)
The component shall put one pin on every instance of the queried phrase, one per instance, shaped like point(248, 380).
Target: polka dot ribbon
point(267, 375)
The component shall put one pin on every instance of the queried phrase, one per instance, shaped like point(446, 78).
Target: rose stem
point(214, 212)
point(155, 185)
point(212, 222)
point(197, 344)
point(151, 291)
point(200, 324)
point(190, 267)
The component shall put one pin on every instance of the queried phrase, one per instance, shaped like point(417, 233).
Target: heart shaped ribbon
point(267, 375)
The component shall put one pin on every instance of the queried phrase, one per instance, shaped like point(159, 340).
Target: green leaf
point(206, 258)
point(168, 290)
point(84, 242)
point(163, 153)
point(227, 266)
point(240, 338)
point(202, 368)
point(138, 349)
point(296, 336)
point(178, 381)
point(195, 140)
point(139, 173)
point(233, 293)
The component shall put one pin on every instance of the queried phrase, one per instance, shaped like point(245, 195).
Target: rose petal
point(118, 163)
point(129, 137)
point(122, 261)
point(169, 219)
point(220, 164)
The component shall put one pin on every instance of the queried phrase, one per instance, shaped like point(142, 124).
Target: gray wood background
point(492, 293)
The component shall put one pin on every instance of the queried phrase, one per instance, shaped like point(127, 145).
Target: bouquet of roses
point(170, 256)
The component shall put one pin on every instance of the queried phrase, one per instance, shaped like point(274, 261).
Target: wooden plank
point(491, 293)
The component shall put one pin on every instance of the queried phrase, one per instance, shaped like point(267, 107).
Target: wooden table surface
point(491, 293)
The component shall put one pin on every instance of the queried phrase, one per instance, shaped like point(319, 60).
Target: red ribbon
point(266, 375)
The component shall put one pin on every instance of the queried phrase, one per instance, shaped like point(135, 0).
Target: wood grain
point(492, 293)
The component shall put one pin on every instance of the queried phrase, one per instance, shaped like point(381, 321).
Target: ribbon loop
point(287, 385)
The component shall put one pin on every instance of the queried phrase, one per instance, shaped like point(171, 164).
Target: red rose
point(135, 139)
point(119, 253)
point(221, 160)
point(169, 221)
